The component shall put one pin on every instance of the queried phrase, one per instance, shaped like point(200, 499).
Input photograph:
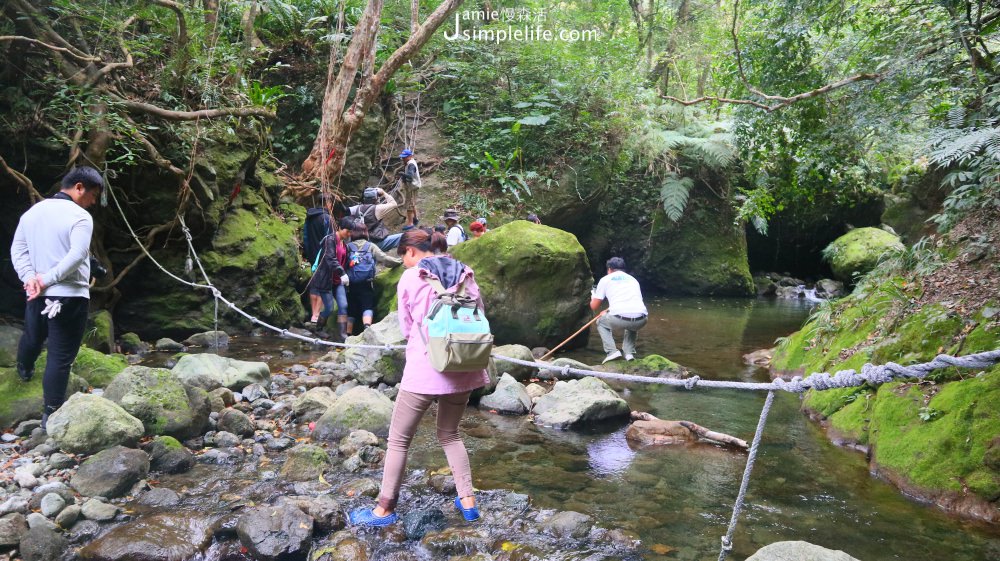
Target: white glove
point(52, 308)
point(345, 280)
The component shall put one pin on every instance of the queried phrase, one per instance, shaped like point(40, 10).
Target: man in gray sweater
point(50, 253)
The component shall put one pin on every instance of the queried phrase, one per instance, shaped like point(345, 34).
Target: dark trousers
point(64, 333)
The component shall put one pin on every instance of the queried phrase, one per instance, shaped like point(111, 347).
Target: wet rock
point(38, 520)
point(790, 292)
point(298, 369)
point(131, 344)
point(169, 345)
point(221, 395)
point(366, 487)
point(366, 457)
point(98, 510)
point(160, 497)
point(577, 402)
point(275, 532)
point(417, 523)
point(13, 527)
point(111, 473)
point(210, 371)
point(312, 404)
point(24, 428)
point(760, 357)
point(61, 461)
point(516, 501)
point(370, 366)
point(85, 531)
point(281, 443)
point(324, 509)
point(157, 537)
point(517, 371)
point(306, 462)
point(236, 422)
point(457, 541)
point(253, 392)
point(86, 424)
point(357, 440)
point(43, 544)
point(342, 546)
point(226, 439)
point(509, 398)
point(56, 487)
point(359, 408)
point(68, 517)
point(798, 551)
point(167, 455)
point(568, 524)
point(535, 391)
point(442, 483)
point(828, 288)
point(14, 504)
point(161, 401)
point(52, 504)
point(211, 339)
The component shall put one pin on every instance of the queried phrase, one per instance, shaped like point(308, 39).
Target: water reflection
point(610, 455)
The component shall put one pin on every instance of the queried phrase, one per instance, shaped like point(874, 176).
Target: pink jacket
point(415, 297)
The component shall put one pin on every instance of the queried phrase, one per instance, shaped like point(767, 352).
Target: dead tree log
point(647, 430)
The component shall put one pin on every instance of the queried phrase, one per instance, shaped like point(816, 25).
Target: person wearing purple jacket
point(422, 384)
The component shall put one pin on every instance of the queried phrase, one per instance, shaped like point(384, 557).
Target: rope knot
point(691, 382)
point(726, 544)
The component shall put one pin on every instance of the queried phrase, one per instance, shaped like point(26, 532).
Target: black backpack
point(376, 229)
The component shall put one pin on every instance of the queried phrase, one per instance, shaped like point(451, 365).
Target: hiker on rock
point(410, 177)
point(372, 212)
point(362, 255)
point(626, 310)
point(50, 252)
point(456, 234)
point(329, 281)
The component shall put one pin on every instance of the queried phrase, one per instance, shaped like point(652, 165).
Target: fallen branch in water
point(648, 430)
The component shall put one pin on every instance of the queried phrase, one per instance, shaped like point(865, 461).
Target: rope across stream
point(873, 374)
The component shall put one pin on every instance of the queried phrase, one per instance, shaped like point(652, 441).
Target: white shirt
point(381, 210)
point(623, 294)
point(53, 239)
point(412, 169)
point(456, 235)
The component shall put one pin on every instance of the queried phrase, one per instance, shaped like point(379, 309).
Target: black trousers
point(64, 333)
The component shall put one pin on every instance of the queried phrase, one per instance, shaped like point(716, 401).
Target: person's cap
point(481, 220)
point(370, 194)
point(477, 227)
point(450, 214)
point(406, 153)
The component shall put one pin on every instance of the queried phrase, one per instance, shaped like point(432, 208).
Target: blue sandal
point(470, 514)
point(366, 517)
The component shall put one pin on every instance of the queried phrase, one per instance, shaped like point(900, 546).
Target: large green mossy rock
point(371, 365)
point(858, 251)
point(20, 401)
point(157, 397)
point(87, 424)
point(360, 408)
point(97, 368)
point(385, 292)
point(100, 334)
point(9, 337)
point(535, 282)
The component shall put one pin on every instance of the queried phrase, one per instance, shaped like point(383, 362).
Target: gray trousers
point(608, 322)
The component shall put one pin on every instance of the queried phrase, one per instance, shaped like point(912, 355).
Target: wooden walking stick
point(570, 338)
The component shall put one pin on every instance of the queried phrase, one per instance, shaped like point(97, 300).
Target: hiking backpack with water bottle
point(458, 334)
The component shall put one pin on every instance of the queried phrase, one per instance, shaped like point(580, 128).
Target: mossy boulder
point(87, 423)
point(9, 337)
point(385, 291)
point(858, 251)
point(535, 282)
point(157, 397)
point(20, 401)
point(517, 371)
point(210, 371)
point(100, 334)
point(360, 408)
point(97, 368)
point(373, 365)
point(306, 462)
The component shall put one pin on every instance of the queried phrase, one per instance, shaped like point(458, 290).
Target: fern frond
point(674, 192)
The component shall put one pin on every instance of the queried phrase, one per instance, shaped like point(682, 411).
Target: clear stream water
point(678, 499)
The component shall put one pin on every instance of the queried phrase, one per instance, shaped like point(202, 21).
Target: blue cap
point(406, 153)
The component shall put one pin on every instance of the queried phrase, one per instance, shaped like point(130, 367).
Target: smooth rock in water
point(350, 444)
point(161, 401)
point(575, 402)
point(790, 292)
point(69, 516)
point(510, 398)
point(225, 439)
point(61, 461)
point(417, 523)
point(210, 371)
point(275, 532)
point(211, 339)
point(359, 408)
point(253, 392)
point(167, 455)
point(365, 487)
point(306, 462)
point(281, 443)
point(324, 509)
point(370, 366)
point(828, 288)
point(86, 424)
point(160, 497)
point(798, 551)
point(568, 524)
point(13, 527)
point(236, 422)
point(43, 544)
point(456, 541)
point(98, 510)
point(518, 372)
point(168, 344)
point(157, 537)
point(312, 404)
point(343, 546)
point(111, 473)
point(52, 504)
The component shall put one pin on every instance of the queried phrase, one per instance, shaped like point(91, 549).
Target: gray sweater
point(53, 239)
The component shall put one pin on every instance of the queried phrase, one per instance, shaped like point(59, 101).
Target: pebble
point(100, 511)
point(8, 437)
point(52, 504)
point(68, 516)
point(14, 504)
point(26, 427)
point(287, 354)
point(298, 369)
point(61, 461)
point(38, 520)
point(25, 480)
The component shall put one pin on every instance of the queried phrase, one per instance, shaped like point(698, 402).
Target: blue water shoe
point(469, 514)
point(366, 517)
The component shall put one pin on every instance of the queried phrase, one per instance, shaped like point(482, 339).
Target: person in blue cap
point(411, 184)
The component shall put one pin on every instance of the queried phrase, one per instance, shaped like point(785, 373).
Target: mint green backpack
point(458, 334)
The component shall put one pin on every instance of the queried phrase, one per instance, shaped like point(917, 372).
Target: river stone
point(111, 473)
point(568, 524)
point(161, 401)
point(52, 504)
point(168, 344)
point(253, 392)
point(510, 398)
point(210, 371)
point(167, 455)
point(798, 551)
point(456, 541)
point(312, 404)
point(324, 509)
point(535, 391)
point(16, 503)
point(370, 366)
point(43, 544)
point(68, 516)
point(211, 339)
point(223, 396)
point(98, 510)
point(275, 532)
point(9, 338)
point(350, 444)
point(160, 497)
point(13, 527)
point(226, 439)
point(157, 537)
point(561, 363)
point(576, 402)
point(38, 520)
point(57, 488)
point(517, 371)
point(417, 523)
point(827, 288)
point(61, 461)
point(86, 424)
point(341, 546)
point(236, 422)
point(359, 408)
point(306, 462)
point(858, 251)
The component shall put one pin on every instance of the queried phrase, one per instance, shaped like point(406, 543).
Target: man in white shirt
point(626, 310)
point(456, 234)
point(51, 254)
point(411, 185)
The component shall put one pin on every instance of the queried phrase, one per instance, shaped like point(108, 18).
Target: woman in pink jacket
point(422, 384)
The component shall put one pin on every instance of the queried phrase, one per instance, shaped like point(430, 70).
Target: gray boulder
point(359, 408)
point(517, 371)
point(12, 528)
point(167, 455)
point(798, 551)
point(161, 401)
point(510, 398)
point(168, 344)
point(157, 537)
point(42, 543)
point(576, 402)
point(312, 404)
point(68, 516)
point(111, 473)
point(210, 371)
point(86, 424)
point(236, 422)
point(370, 366)
point(275, 532)
point(306, 462)
point(216, 339)
point(355, 441)
point(568, 524)
point(324, 509)
point(828, 288)
point(98, 510)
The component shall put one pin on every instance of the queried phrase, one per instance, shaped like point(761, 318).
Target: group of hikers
point(50, 253)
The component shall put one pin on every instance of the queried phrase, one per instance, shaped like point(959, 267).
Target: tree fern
point(674, 192)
